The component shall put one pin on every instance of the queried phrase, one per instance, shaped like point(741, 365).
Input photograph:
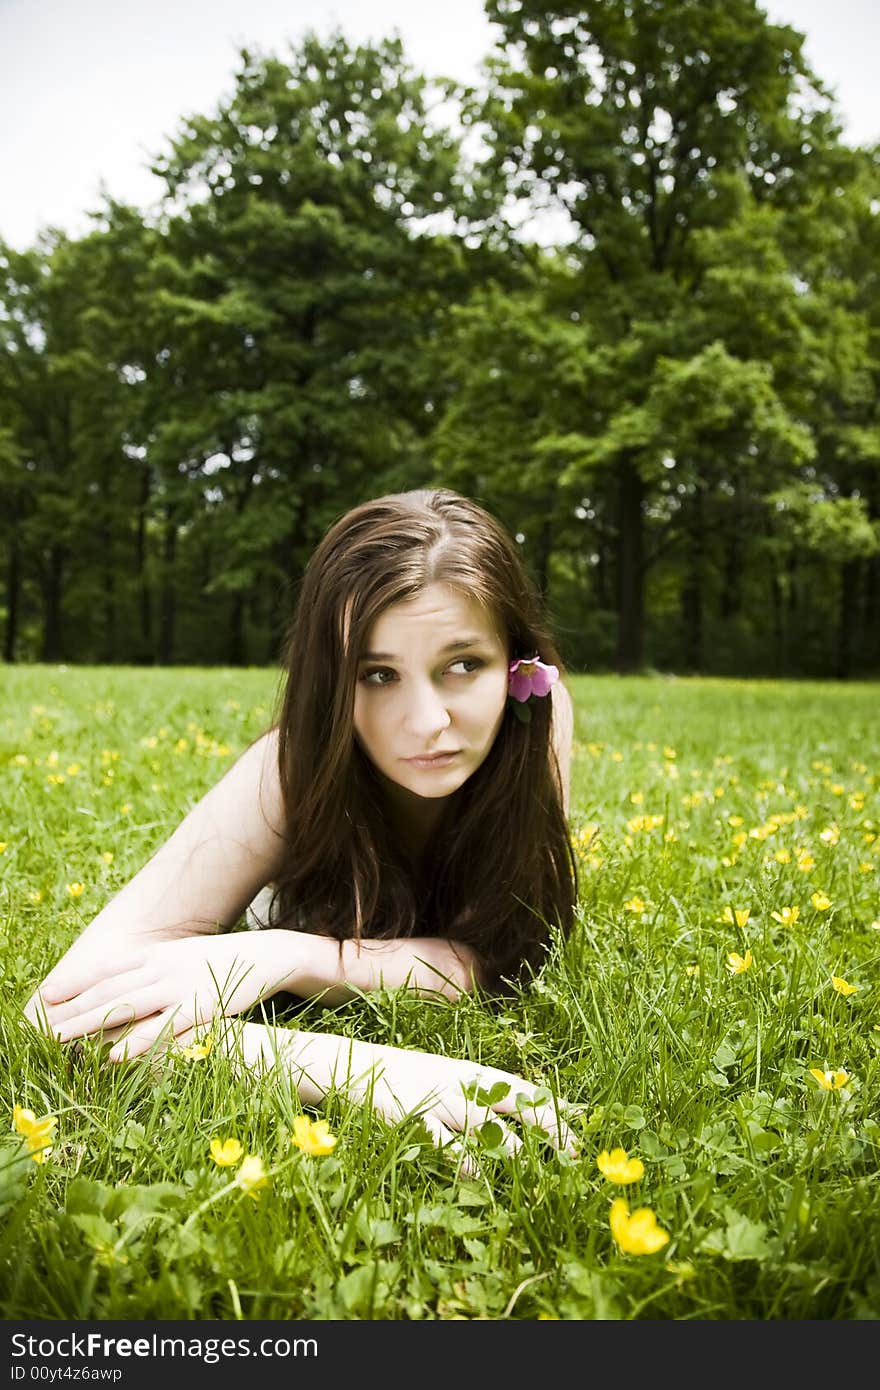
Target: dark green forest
point(624, 293)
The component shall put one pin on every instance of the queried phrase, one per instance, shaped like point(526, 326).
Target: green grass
point(704, 795)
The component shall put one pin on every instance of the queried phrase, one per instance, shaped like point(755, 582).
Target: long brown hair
point(500, 873)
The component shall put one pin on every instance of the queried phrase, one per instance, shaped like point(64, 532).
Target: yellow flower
point(76, 889)
point(226, 1152)
point(740, 916)
point(787, 917)
point(692, 970)
point(107, 856)
point(635, 905)
point(198, 1051)
point(830, 835)
point(251, 1176)
point(738, 965)
point(734, 821)
point(636, 1233)
point(37, 1132)
point(830, 1080)
point(842, 987)
point(312, 1136)
point(820, 902)
point(616, 1167)
point(3, 846)
point(36, 896)
point(782, 856)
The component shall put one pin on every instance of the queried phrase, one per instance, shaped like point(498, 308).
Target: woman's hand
point(451, 1095)
point(164, 988)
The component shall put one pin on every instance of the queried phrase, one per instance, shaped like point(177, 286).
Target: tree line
point(624, 292)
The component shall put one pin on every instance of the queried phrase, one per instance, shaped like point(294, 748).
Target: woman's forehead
point(440, 611)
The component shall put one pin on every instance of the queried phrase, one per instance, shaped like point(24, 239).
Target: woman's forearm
point(397, 1082)
point(320, 965)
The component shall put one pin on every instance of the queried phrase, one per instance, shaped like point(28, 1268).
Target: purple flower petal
point(530, 676)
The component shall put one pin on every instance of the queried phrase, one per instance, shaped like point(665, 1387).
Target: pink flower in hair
point(530, 676)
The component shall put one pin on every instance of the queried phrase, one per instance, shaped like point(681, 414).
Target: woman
point(407, 809)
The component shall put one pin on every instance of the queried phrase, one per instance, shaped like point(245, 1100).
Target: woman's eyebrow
point(458, 646)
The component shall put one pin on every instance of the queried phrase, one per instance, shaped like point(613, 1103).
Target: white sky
point(90, 89)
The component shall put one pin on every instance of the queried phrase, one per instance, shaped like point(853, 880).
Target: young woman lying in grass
point(402, 823)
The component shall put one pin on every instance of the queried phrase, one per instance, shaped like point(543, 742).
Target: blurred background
point(613, 270)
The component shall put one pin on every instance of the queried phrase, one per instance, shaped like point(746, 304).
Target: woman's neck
point(413, 820)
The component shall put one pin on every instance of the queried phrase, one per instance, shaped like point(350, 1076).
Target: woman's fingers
point(76, 980)
point(546, 1114)
point(531, 1104)
point(102, 992)
point(126, 1007)
point(145, 1035)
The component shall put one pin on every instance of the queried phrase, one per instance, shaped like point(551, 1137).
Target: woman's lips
point(433, 759)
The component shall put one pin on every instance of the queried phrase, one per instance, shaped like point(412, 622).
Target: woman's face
point(433, 680)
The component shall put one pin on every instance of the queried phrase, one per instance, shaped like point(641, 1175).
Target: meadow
point(714, 1016)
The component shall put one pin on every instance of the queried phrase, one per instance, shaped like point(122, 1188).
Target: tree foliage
point(670, 398)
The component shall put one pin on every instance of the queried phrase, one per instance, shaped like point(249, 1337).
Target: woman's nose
point(427, 713)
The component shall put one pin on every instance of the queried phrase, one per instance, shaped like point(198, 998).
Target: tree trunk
point(236, 631)
point(168, 600)
point(110, 652)
point(692, 587)
point(849, 576)
point(871, 594)
point(630, 569)
point(52, 636)
point(872, 614)
point(13, 594)
point(145, 596)
point(730, 601)
point(776, 601)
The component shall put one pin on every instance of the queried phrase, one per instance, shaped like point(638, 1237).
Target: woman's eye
point(376, 677)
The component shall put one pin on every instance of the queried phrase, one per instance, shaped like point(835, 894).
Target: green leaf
point(490, 1134)
point(741, 1239)
point(98, 1231)
point(475, 1092)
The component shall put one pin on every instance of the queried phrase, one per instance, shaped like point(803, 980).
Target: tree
point(647, 123)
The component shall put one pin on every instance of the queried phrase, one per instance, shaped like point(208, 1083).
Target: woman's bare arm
point(170, 986)
point(202, 878)
point(399, 1082)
